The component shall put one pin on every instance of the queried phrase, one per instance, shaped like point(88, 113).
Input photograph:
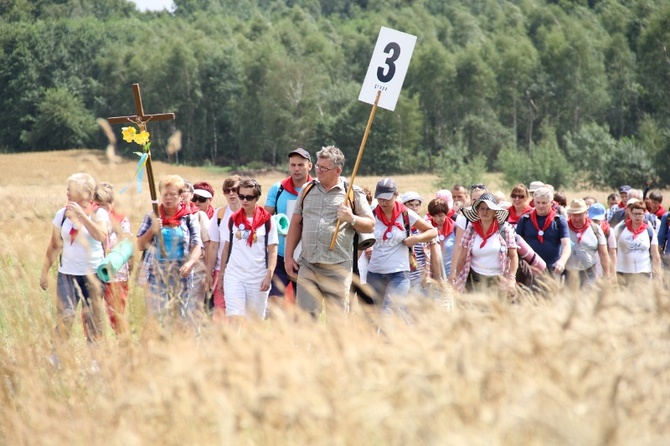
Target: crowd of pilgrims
point(228, 261)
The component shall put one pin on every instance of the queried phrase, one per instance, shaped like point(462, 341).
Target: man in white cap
point(281, 199)
point(588, 245)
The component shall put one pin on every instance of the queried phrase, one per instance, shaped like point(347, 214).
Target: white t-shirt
point(633, 254)
point(248, 262)
point(214, 231)
point(486, 260)
point(461, 221)
point(611, 243)
point(390, 255)
point(82, 254)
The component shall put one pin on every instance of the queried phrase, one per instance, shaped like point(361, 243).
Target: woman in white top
point(249, 255)
point(389, 268)
point(77, 236)
point(637, 254)
point(488, 249)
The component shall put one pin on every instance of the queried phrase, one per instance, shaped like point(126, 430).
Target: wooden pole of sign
point(141, 120)
point(358, 162)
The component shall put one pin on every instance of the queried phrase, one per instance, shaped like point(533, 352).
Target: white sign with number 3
point(388, 68)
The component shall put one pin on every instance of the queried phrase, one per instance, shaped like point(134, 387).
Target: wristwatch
point(353, 221)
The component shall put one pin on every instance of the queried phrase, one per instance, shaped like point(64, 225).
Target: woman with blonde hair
point(77, 237)
point(116, 292)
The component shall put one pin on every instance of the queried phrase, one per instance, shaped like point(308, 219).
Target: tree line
point(567, 91)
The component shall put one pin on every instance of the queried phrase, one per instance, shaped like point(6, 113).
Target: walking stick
point(358, 162)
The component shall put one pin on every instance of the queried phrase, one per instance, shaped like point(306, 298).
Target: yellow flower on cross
point(130, 135)
point(142, 138)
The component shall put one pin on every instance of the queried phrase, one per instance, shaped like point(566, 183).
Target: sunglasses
point(198, 199)
point(477, 186)
point(518, 196)
point(227, 190)
point(246, 197)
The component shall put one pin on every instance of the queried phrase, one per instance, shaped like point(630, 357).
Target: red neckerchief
point(398, 208)
point(446, 229)
point(479, 229)
point(451, 213)
point(660, 212)
point(210, 211)
point(547, 223)
point(513, 217)
point(73, 234)
point(288, 186)
point(259, 219)
point(580, 232)
point(73, 230)
point(622, 205)
point(605, 226)
point(175, 219)
point(639, 230)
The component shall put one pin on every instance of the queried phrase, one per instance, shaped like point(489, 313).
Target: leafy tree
point(632, 165)
point(62, 122)
point(547, 163)
point(458, 166)
point(591, 146)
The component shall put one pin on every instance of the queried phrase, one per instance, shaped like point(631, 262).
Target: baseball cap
point(301, 152)
point(386, 189)
point(597, 211)
point(625, 188)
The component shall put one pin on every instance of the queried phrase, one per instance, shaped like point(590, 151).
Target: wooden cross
point(141, 120)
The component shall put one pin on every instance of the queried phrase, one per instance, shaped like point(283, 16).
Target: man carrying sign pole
point(325, 272)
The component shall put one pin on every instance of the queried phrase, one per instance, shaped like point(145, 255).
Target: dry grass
point(577, 369)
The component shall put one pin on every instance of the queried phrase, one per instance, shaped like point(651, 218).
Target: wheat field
point(578, 368)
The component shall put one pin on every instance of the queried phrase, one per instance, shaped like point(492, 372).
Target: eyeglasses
point(198, 199)
point(246, 197)
point(477, 186)
point(227, 190)
point(324, 169)
point(518, 196)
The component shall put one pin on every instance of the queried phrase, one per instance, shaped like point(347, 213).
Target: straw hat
point(577, 206)
point(490, 200)
point(535, 185)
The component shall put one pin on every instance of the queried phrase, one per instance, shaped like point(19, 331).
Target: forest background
point(571, 92)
